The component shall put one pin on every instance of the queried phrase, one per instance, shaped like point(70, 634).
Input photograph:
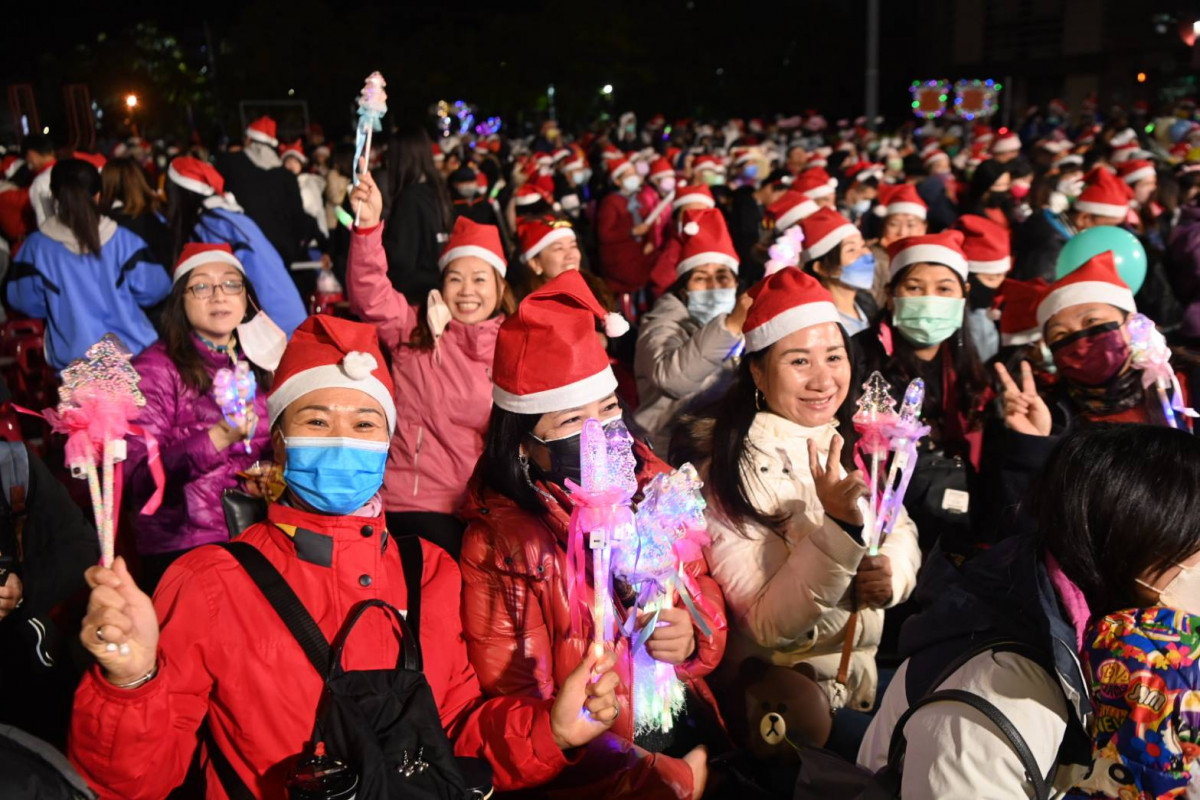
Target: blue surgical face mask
point(859, 273)
point(861, 207)
point(705, 305)
point(579, 177)
point(334, 475)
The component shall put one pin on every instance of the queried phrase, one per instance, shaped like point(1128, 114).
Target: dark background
point(191, 64)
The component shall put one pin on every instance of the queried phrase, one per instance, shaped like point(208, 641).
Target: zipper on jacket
point(417, 455)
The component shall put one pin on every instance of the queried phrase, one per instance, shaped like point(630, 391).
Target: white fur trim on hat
point(915, 209)
point(573, 395)
point(1139, 175)
point(1074, 294)
point(1108, 210)
point(830, 241)
point(1021, 337)
point(795, 214)
point(549, 239)
point(206, 257)
point(784, 323)
point(259, 136)
point(998, 267)
point(529, 199)
point(692, 199)
point(294, 154)
point(473, 250)
point(330, 376)
point(712, 257)
point(191, 184)
point(821, 191)
point(931, 254)
point(1007, 144)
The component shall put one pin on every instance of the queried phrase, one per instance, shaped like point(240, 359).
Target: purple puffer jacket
point(197, 474)
point(1183, 267)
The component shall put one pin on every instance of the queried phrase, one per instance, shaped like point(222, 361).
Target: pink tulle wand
point(876, 411)
point(1152, 356)
point(903, 435)
point(234, 391)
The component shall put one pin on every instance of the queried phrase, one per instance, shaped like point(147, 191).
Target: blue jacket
point(83, 297)
point(264, 266)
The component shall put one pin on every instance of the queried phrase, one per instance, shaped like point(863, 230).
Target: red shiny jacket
point(517, 625)
point(225, 655)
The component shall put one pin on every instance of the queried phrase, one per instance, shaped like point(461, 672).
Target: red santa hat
point(610, 153)
point(824, 230)
point(693, 195)
point(95, 159)
point(934, 155)
point(864, 171)
point(438, 155)
point(814, 183)
point(539, 189)
point(1008, 143)
point(196, 176)
point(472, 239)
point(943, 248)
point(706, 240)
point(661, 168)
point(707, 163)
point(900, 198)
point(816, 161)
point(537, 234)
point(295, 150)
point(982, 133)
point(543, 159)
point(784, 303)
point(617, 167)
point(329, 352)
point(1135, 170)
point(1104, 195)
point(262, 130)
point(791, 208)
point(1018, 317)
point(1097, 281)
point(548, 355)
point(985, 244)
point(194, 254)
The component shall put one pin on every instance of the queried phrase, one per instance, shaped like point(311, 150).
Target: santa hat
point(982, 133)
point(438, 155)
point(1123, 138)
point(1104, 195)
point(537, 234)
point(262, 130)
point(1008, 143)
point(196, 176)
point(548, 356)
point(790, 208)
point(472, 239)
point(814, 183)
point(933, 155)
point(693, 195)
point(705, 241)
point(532, 192)
point(985, 244)
point(328, 352)
point(930, 147)
point(816, 161)
point(560, 154)
point(707, 163)
point(295, 150)
point(194, 254)
point(1096, 281)
point(10, 165)
point(784, 303)
point(620, 165)
point(943, 248)
point(864, 171)
point(900, 198)
point(1136, 170)
point(543, 159)
point(95, 159)
point(1018, 317)
point(610, 152)
point(661, 168)
point(824, 230)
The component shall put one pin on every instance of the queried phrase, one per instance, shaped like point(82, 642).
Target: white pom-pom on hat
point(691, 229)
point(359, 366)
point(615, 325)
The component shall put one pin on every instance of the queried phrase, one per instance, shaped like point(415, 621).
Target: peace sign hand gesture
point(839, 496)
point(1024, 409)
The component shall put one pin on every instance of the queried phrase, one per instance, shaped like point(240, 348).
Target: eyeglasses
point(203, 291)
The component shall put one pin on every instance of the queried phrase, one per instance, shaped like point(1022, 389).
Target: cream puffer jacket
point(789, 598)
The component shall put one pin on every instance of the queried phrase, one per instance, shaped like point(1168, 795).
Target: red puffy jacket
point(225, 655)
point(623, 261)
point(518, 629)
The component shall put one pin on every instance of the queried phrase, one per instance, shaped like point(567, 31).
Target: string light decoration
point(929, 98)
point(975, 98)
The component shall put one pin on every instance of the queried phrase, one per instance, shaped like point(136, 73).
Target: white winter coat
point(790, 598)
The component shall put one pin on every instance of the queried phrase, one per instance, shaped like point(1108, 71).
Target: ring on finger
point(100, 633)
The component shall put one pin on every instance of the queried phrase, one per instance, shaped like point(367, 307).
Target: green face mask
point(926, 321)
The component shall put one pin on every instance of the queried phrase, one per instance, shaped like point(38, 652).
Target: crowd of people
point(431, 329)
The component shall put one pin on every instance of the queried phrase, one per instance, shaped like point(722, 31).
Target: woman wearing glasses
point(201, 452)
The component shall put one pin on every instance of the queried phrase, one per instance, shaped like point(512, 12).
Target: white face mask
point(262, 341)
point(1182, 592)
point(467, 190)
point(631, 183)
point(437, 314)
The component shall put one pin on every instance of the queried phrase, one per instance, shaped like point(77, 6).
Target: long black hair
point(75, 184)
point(1118, 502)
point(409, 161)
point(733, 416)
point(830, 264)
point(184, 208)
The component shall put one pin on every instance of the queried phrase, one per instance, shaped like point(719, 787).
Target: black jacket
point(411, 241)
point(152, 230)
point(271, 197)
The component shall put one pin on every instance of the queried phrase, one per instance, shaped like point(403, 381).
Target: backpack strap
point(230, 781)
point(285, 602)
point(412, 561)
point(1032, 772)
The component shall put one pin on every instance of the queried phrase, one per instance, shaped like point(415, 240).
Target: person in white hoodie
point(788, 546)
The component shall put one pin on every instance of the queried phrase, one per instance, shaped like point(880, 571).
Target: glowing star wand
point(372, 105)
point(876, 411)
point(903, 435)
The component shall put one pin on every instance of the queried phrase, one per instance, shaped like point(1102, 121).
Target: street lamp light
point(607, 89)
point(131, 100)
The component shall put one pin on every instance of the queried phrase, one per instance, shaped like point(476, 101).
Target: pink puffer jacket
point(443, 396)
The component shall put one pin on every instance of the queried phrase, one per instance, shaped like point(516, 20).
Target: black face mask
point(1001, 200)
point(564, 459)
point(980, 296)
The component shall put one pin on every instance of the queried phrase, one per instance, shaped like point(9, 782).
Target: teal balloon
point(1127, 251)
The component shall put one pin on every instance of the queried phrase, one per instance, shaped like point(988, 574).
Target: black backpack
point(30, 769)
point(384, 723)
point(824, 775)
